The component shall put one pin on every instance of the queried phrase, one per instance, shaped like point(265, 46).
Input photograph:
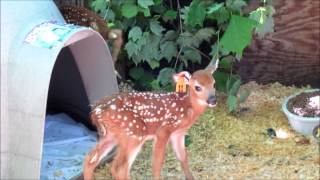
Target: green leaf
point(131, 48)
point(259, 15)
point(221, 79)
point(159, 10)
point(185, 39)
point(168, 50)
point(184, 14)
point(155, 27)
point(153, 63)
point(196, 14)
point(157, 2)
point(165, 76)
point(170, 15)
point(222, 15)
point(129, 10)
point(228, 84)
point(155, 85)
point(169, 36)
point(235, 87)
point(214, 7)
point(232, 103)
point(136, 73)
point(135, 33)
point(110, 24)
point(236, 5)
point(191, 55)
point(145, 3)
point(143, 40)
point(168, 88)
point(226, 63)
point(146, 80)
point(145, 11)
point(194, 40)
point(263, 15)
point(243, 96)
point(201, 35)
point(99, 5)
point(238, 34)
point(151, 49)
point(137, 58)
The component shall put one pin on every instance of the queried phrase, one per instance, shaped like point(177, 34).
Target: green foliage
point(165, 76)
point(263, 15)
point(214, 7)
point(129, 10)
point(145, 3)
point(196, 14)
point(238, 34)
point(232, 103)
point(164, 37)
point(234, 97)
point(155, 27)
point(230, 84)
point(135, 33)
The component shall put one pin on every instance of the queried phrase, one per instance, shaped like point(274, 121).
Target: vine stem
point(106, 13)
point(181, 31)
point(203, 54)
point(215, 56)
point(179, 53)
point(180, 21)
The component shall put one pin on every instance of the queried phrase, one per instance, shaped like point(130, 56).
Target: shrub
point(164, 37)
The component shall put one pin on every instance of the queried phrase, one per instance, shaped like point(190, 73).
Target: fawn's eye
point(198, 88)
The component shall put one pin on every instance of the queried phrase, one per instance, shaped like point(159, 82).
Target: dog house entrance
point(68, 132)
point(66, 90)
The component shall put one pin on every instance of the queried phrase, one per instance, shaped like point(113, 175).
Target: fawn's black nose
point(212, 100)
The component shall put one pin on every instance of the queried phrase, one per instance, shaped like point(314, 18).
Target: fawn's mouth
point(212, 105)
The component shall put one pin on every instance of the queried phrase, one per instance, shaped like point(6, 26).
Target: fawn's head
point(201, 85)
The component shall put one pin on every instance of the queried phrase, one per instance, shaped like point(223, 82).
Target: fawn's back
point(142, 114)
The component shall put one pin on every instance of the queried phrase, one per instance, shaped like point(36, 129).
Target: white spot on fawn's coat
point(113, 106)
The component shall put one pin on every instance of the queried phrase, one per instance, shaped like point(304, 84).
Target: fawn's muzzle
point(212, 101)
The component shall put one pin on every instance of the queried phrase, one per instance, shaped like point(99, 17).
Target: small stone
point(271, 133)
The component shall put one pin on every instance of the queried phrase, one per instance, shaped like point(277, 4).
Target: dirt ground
point(238, 147)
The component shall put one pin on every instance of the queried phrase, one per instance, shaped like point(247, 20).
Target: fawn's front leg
point(159, 149)
point(177, 142)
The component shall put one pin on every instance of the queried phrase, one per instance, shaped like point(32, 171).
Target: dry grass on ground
point(237, 147)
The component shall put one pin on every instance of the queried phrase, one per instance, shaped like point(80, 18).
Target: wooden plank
point(290, 55)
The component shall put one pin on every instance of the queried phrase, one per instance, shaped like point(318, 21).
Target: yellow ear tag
point(181, 86)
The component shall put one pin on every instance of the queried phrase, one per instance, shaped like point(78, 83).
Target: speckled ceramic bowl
point(304, 125)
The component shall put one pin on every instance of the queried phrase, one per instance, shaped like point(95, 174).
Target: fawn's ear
point(213, 66)
point(184, 74)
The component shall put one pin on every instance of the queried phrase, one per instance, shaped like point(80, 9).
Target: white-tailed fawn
point(84, 17)
point(127, 120)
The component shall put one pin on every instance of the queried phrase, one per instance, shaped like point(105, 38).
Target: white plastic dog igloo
point(45, 65)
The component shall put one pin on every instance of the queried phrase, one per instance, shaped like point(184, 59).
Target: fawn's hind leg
point(127, 151)
point(104, 146)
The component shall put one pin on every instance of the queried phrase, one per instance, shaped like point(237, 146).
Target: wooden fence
point(290, 55)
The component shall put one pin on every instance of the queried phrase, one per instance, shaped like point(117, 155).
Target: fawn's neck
point(197, 106)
